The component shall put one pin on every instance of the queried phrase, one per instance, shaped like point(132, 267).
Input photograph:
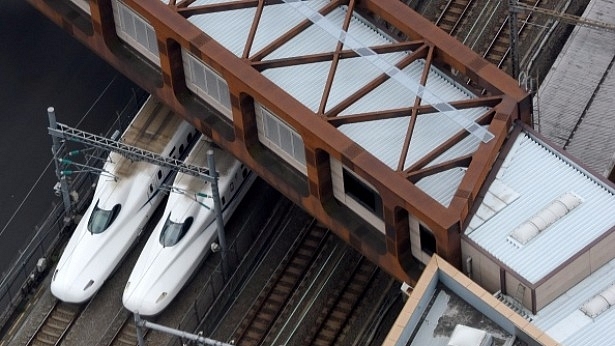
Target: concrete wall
point(512, 290)
point(438, 270)
point(484, 270)
point(575, 271)
point(411, 315)
point(563, 280)
point(602, 252)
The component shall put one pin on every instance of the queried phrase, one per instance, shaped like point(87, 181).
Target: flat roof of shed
point(565, 322)
point(531, 177)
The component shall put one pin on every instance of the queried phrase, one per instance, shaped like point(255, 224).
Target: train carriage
point(126, 196)
point(182, 237)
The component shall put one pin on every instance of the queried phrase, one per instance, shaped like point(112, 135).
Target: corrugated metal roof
point(594, 142)
point(306, 82)
point(563, 321)
point(576, 87)
point(443, 193)
point(539, 176)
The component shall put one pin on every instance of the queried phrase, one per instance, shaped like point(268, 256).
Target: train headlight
point(90, 283)
point(161, 297)
point(126, 287)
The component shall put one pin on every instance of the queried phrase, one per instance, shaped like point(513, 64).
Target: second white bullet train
point(183, 236)
point(124, 199)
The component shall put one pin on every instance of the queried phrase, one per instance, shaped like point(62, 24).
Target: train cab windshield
point(101, 219)
point(173, 232)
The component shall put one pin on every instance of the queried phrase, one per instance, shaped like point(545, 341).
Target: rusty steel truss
point(505, 102)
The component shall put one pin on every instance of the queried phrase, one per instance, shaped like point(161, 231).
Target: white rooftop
point(564, 321)
point(533, 178)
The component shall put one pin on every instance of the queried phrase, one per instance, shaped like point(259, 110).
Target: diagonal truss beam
point(253, 28)
point(490, 101)
point(432, 155)
point(461, 161)
point(182, 3)
point(369, 55)
point(343, 54)
point(293, 32)
point(335, 61)
point(419, 53)
point(186, 10)
point(414, 115)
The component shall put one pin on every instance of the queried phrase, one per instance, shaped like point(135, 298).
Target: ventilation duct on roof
point(600, 302)
point(544, 218)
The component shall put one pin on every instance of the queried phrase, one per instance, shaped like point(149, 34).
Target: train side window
point(151, 188)
point(232, 186)
point(223, 200)
point(173, 151)
point(181, 149)
point(159, 174)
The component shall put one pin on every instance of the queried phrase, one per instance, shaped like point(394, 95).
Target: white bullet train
point(187, 228)
point(125, 197)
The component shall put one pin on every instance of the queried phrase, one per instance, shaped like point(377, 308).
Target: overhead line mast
point(565, 17)
point(131, 152)
point(515, 7)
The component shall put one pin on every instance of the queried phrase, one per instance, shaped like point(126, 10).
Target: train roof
point(153, 127)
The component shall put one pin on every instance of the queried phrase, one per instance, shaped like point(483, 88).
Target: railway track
point(452, 15)
point(341, 304)
point(499, 45)
point(261, 316)
point(126, 335)
point(498, 49)
point(56, 324)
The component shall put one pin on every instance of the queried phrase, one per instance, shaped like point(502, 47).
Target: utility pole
point(57, 149)
point(219, 218)
point(514, 37)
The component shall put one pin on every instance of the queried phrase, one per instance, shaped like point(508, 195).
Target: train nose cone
point(72, 292)
point(131, 300)
point(145, 301)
